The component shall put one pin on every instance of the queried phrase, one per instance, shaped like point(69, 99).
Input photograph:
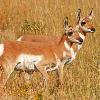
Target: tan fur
point(42, 38)
point(12, 49)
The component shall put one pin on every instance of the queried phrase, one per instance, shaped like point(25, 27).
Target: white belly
point(26, 61)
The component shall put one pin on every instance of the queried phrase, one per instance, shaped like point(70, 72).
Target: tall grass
point(82, 79)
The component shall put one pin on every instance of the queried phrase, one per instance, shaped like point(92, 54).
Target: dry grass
point(82, 79)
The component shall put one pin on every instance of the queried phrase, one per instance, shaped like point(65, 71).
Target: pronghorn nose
point(93, 29)
point(80, 40)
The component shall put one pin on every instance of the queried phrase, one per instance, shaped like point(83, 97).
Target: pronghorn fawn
point(27, 55)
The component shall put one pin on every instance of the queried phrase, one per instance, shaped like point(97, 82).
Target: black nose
point(80, 39)
point(93, 29)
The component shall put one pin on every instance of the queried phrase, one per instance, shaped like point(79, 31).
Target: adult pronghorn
point(83, 27)
point(26, 55)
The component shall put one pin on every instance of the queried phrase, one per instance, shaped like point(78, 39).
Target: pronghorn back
point(39, 38)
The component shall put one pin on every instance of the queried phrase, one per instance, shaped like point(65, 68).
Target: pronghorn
point(83, 27)
point(23, 54)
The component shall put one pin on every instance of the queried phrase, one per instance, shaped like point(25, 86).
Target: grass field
point(81, 77)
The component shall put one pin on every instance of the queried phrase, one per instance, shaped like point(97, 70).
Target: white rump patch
point(28, 61)
point(1, 49)
point(20, 38)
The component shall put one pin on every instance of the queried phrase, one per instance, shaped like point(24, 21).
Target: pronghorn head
point(72, 34)
point(85, 24)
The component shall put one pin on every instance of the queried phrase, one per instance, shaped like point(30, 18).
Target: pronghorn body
point(27, 55)
point(16, 54)
point(83, 27)
point(22, 54)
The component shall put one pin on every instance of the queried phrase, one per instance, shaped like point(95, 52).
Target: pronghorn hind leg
point(3, 80)
point(4, 76)
point(45, 75)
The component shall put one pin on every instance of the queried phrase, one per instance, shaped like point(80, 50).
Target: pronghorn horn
point(91, 12)
point(66, 23)
point(78, 15)
point(79, 12)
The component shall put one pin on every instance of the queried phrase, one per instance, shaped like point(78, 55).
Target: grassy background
point(82, 77)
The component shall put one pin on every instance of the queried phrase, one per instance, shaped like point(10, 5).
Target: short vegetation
point(81, 77)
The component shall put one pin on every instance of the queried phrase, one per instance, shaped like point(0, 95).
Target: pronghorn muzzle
point(92, 30)
point(80, 40)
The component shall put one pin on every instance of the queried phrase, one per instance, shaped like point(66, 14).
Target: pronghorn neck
point(76, 47)
point(67, 45)
point(79, 29)
point(63, 39)
point(82, 31)
point(82, 36)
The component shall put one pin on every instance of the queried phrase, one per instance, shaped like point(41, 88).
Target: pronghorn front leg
point(60, 74)
point(58, 62)
point(60, 71)
point(58, 66)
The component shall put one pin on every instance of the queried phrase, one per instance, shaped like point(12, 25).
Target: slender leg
point(52, 69)
point(60, 74)
point(4, 75)
point(3, 80)
point(43, 71)
point(56, 67)
point(60, 71)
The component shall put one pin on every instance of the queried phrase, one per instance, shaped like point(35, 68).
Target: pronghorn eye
point(83, 23)
point(70, 33)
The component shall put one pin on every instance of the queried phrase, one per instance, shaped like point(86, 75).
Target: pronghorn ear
point(91, 14)
point(66, 23)
point(78, 15)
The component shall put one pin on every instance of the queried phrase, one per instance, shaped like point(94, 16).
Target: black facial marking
point(93, 29)
point(83, 23)
point(80, 39)
point(70, 33)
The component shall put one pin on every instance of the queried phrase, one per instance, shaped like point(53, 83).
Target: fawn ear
point(91, 14)
point(78, 15)
point(66, 23)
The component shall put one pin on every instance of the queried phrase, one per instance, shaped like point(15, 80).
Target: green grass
point(82, 77)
